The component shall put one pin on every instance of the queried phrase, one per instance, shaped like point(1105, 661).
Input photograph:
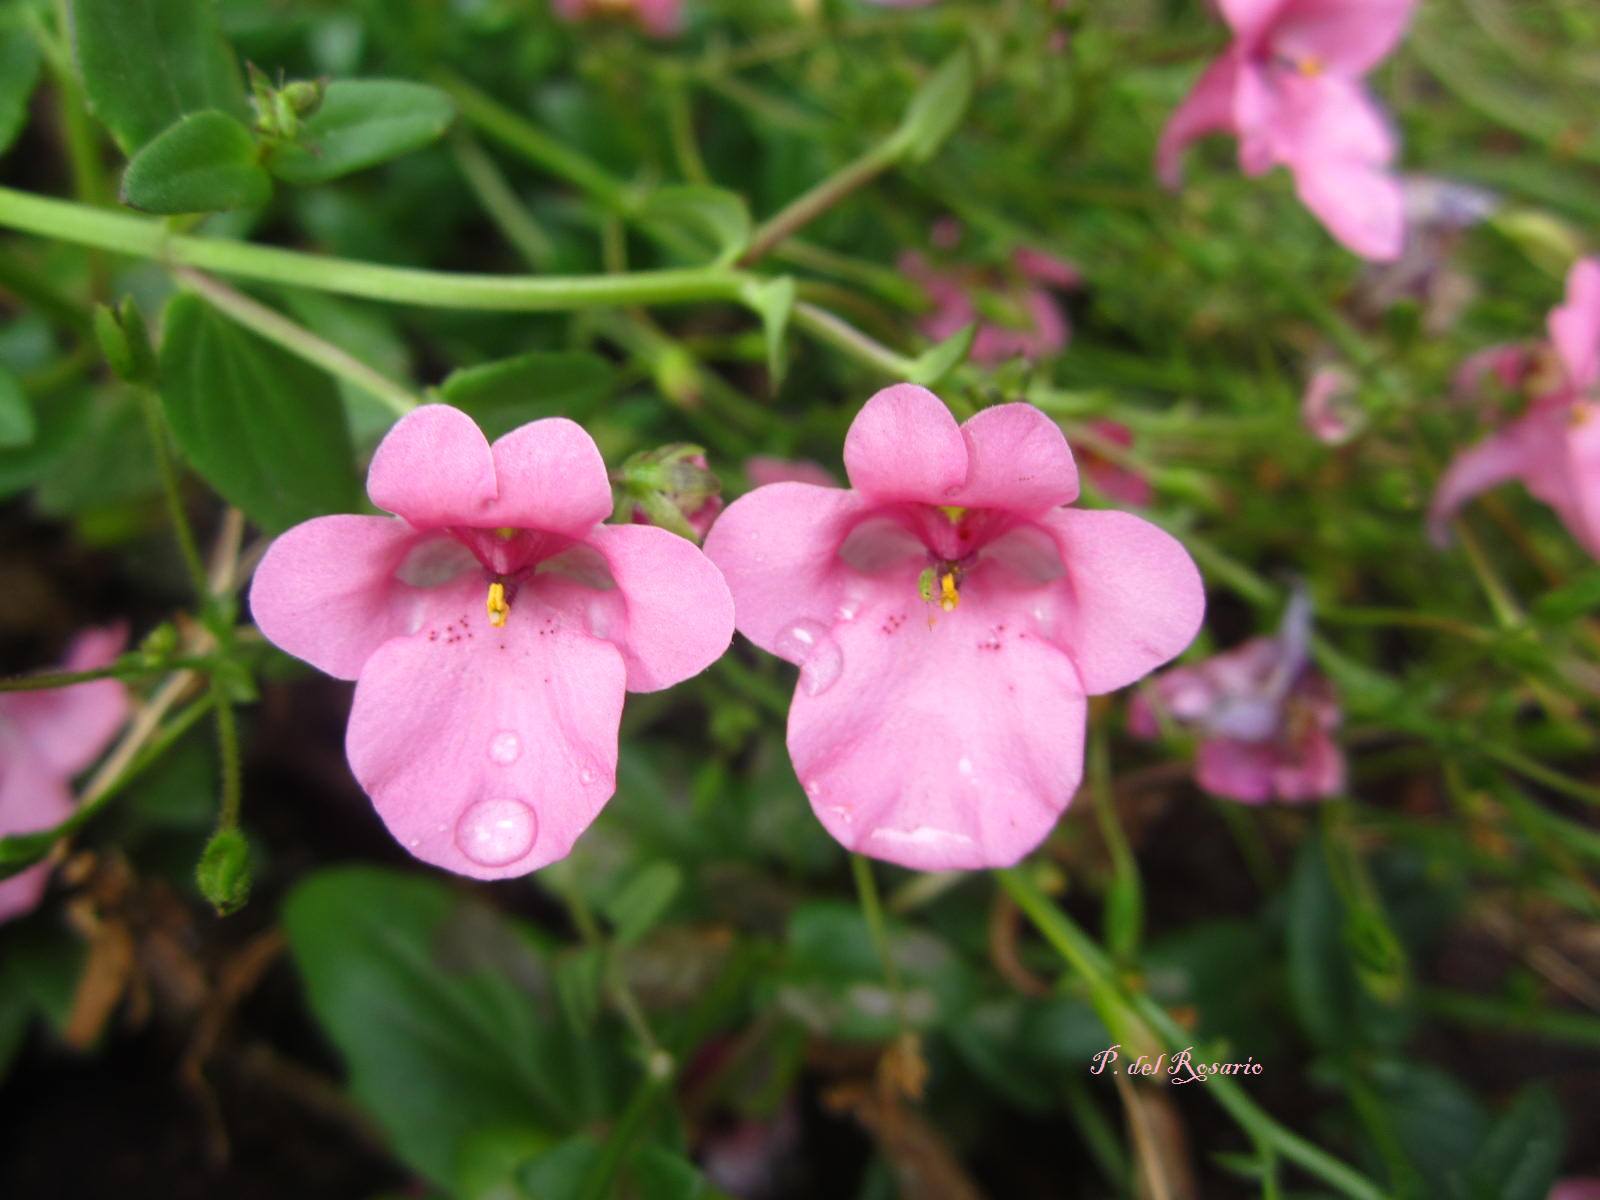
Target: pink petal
point(778, 549)
point(1236, 770)
point(660, 18)
point(434, 468)
point(33, 796)
point(1508, 365)
point(1017, 459)
point(1360, 205)
point(905, 445)
point(1043, 267)
point(488, 751)
point(551, 477)
point(1565, 467)
point(328, 590)
point(1575, 325)
point(948, 746)
point(69, 727)
point(1502, 456)
point(1250, 18)
point(1207, 109)
point(1328, 407)
point(1131, 600)
point(1326, 118)
point(763, 469)
point(1349, 37)
point(677, 611)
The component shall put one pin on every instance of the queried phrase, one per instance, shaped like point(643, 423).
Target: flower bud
point(125, 341)
point(672, 487)
point(224, 871)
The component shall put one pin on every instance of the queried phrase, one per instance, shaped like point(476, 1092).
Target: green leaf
point(579, 976)
point(713, 218)
point(58, 421)
point(1576, 598)
point(1321, 983)
point(500, 396)
point(441, 1010)
point(362, 122)
point(17, 426)
point(773, 301)
point(264, 428)
point(146, 63)
point(1521, 1157)
point(634, 910)
point(19, 73)
point(206, 162)
point(661, 1174)
point(936, 109)
point(931, 367)
point(559, 1173)
point(490, 1161)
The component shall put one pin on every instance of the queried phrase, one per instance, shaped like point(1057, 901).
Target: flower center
point(1309, 65)
point(948, 577)
point(498, 608)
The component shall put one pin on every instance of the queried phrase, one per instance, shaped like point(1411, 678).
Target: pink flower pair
point(948, 613)
point(1553, 447)
point(46, 738)
point(1266, 717)
point(1291, 88)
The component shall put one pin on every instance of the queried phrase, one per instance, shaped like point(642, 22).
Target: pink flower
point(949, 617)
point(1576, 1189)
point(658, 18)
point(1266, 717)
point(492, 626)
point(1554, 447)
point(763, 469)
point(1290, 87)
point(46, 738)
point(1122, 484)
point(1016, 310)
point(1328, 408)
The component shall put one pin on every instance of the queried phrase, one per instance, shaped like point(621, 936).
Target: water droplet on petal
point(810, 644)
point(505, 747)
point(586, 775)
point(497, 832)
point(965, 765)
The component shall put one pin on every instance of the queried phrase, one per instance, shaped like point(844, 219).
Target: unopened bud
point(125, 341)
point(224, 871)
point(673, 487)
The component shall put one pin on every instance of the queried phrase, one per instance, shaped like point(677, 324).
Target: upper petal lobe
point(1575, 325)
point(905, 445)
point(1018, 460)
point(433, 468)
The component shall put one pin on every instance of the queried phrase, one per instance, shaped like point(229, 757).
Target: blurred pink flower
point(949, 617)
point(763, 469)
point(46, 738)
point(1016, 310)
point(492, 627)
point(1576, 1189)
point(1290, 88)
point(1554, 447)
point(1266, 716)
point(1438, 212)
point(1121, 484)
point(658, 18)
point(1328, 408)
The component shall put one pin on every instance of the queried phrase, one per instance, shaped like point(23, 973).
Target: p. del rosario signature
point(1179, 1068)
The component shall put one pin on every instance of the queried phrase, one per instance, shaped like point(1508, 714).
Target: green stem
point(141, 237)
point(872, 911)
point(150, 405)
point(498, 199)
point(600, 1181)
point(847, 339)
point(47, 680)
point(685, 147)
point(1090, 962)
point(228, 754)
point(298, 340)
point(1493, 1013)
point(1539, 773)
point(1124, 905)
point(804, 209)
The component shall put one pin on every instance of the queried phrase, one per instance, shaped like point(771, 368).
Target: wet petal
point(333, 589)
point(954, 745)
point(1131, 600)
point(488, 751)
point(778, 549)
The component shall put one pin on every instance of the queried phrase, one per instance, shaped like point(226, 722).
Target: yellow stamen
point(499, 610)
point(954, 512)
point(505, 533)
point(1310, 66)
point(948, 596)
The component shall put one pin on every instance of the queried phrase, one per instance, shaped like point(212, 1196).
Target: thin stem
point(1506, 609)
point(1090, 962)
point(1490, 1012)
point(47, 680)
point(150, 405)
point(140, 237)
point(498, 199)
point(804, 209)
point(1124, 910)
point(228, 753)
point(685, 147)
point(600, 1182)
point(846, 338)
point(872, 911)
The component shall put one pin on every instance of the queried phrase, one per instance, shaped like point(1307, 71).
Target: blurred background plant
point(709, 997)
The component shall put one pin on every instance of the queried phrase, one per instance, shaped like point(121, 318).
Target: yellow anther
point(1310, 66)
point(948, 596)
point(499, 610)
point(505, 533)
point(954, 512)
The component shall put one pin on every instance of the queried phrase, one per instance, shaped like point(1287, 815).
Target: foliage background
point(1415, 965)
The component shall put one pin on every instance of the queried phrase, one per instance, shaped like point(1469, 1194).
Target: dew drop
point(965, 765)
point(586, 775)
point(494, 833)
point(505, 747)
point(810, 644)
